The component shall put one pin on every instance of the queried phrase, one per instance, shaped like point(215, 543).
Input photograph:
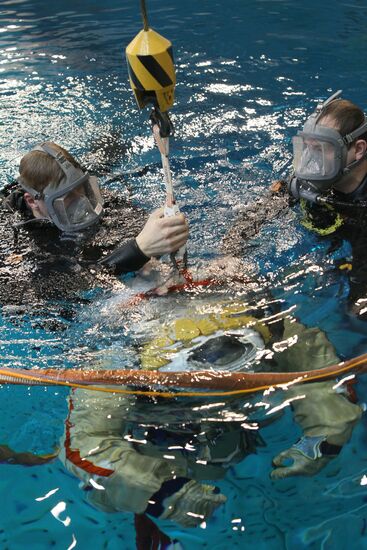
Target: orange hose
point(220, 383)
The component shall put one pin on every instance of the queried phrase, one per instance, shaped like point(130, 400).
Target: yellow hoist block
point(151, 70)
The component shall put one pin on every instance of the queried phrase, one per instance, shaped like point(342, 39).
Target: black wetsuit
point(251, 218)
point(345, 218)
point(38, 262)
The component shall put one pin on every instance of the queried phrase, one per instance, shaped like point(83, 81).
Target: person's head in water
point(56, 188)
point(330, 151)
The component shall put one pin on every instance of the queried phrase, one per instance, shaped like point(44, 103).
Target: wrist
point(128, 257)
point(140, 251)
point(168, 488)
point(143, 246)
point(315, 447)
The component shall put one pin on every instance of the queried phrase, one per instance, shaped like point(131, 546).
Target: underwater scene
point(170, 416)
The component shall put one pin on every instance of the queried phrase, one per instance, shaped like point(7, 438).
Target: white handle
point(171, 210)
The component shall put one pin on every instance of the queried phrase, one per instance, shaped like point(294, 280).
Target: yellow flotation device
point(309, 223)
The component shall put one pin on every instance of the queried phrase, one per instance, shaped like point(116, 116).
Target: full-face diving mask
point(73, 204)
point(320, 152)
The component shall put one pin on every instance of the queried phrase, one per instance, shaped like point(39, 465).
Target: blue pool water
point(248, 72)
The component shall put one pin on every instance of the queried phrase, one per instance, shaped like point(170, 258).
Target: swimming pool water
point(248, 72)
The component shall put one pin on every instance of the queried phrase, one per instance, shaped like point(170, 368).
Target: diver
point(330, 155)
point(330, 183)
point(55, 225)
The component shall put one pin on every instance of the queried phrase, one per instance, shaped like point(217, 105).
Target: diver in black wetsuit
point(330, 181)
point(54, 241)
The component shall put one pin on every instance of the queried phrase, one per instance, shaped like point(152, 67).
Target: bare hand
point(162, 235)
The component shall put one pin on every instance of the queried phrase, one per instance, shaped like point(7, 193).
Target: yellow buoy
point(151, 69)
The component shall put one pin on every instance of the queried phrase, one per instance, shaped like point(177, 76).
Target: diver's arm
point(304, 348)
point(160, 235)
point(251, 218)
point(327, 418)
point(323, 412)
point(125, 258)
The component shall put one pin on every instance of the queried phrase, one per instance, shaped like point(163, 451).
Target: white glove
point(304, 458)
point(192, 504)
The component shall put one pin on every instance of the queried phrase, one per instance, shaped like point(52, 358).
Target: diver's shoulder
point(12, 198)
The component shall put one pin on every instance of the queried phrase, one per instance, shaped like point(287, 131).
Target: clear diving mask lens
point(77, 206)
point(317, 158)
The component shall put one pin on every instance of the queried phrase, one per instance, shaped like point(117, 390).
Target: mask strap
point(349, 138)
point(333, 97)
point(353, 164)
point(35, 194)
point(320, 108)
point(71, 172)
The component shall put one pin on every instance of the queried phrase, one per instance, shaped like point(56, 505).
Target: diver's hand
point(192, 504)
point(305, 458)
point(327, 418)
point(163, 235)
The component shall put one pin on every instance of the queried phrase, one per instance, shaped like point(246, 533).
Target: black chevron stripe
point(155, 70)
point(134, 78)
